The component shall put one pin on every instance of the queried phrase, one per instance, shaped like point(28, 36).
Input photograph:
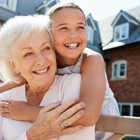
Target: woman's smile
point(42, 71)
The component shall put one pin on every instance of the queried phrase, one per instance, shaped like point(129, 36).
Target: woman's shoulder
point(12, 93)
point(68, 77)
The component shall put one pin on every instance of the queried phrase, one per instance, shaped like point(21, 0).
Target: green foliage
point(131, 138)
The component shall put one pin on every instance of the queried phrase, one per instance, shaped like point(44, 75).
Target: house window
point(119, 69)
point(129, 109)
point(121, 32)
point(9, 4)
point(89, 31)
point(43, 10)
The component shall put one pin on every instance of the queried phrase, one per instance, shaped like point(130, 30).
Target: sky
point(102, 9)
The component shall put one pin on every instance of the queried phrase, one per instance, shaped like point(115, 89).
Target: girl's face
point(69, 33)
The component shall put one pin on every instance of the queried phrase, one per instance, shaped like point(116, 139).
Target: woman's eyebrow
point(31, 47)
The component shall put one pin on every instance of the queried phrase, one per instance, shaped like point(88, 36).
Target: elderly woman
point(26, 51)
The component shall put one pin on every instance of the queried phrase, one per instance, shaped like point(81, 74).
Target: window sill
point(118, 79)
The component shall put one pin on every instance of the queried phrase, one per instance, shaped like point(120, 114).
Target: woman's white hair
point(15, 32)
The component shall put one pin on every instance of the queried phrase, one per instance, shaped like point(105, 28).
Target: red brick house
point(121, 39)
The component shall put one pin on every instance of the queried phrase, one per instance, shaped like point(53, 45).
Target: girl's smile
point(69, 33)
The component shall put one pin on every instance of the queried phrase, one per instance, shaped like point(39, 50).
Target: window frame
point(9, 6)
point(120, 27)
point(131, 107)
point(118, 64)
point(46, 9)
point(90, 34)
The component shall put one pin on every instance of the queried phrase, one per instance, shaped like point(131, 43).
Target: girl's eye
point(47, 48)
point(28, 54)
point(81, 27)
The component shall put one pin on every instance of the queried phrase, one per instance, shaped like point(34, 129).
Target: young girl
point(70, 39)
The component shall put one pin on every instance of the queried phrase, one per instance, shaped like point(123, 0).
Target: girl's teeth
point(71, 45)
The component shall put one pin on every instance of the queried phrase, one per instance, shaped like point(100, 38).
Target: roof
point(128, 17)
point(107, 32)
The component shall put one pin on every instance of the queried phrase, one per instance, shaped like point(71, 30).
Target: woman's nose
point(40, 59)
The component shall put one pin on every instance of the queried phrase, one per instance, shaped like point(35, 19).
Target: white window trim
point(120, 26)
point(118, 64)
point(46, 9)
point(90, 40)
point(131, 107)
point(10, 8)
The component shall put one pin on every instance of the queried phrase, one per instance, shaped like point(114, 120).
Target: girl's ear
point(12, 64)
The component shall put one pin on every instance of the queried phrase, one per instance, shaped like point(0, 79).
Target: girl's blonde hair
point(62, 5)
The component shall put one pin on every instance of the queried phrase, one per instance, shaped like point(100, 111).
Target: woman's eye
point(28, 54)
point(63, 28)
point(46, 48)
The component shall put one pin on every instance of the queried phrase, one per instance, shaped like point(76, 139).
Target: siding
point(27, 7)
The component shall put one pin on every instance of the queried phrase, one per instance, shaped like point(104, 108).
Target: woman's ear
point(12, 64)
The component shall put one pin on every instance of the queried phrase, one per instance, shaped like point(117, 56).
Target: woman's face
point(69, 32)
point(36, 61)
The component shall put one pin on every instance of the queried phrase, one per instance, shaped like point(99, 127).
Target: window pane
point(119, 106)
point(89, 31)
point(122, 69)
point(115, 70)
point(136, 111)
point(124, 31)
point(125, 110)
point(117, 33)
point(42, 11)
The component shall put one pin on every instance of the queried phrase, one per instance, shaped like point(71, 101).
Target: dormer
point(90, 28)
point(9, 4)
point(123, 25)
point(44, 7)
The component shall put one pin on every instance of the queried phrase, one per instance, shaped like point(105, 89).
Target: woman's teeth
point(41, 71)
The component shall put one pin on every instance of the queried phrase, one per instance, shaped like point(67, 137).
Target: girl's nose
point(73, 34)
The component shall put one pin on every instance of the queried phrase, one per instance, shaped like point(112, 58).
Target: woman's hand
point(54, 120)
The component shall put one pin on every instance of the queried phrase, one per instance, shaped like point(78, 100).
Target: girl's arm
point(10, 84)
point(93, 88)
point(92, 91)
point(19, 110)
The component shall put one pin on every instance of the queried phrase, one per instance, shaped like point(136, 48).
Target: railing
point(120, 126)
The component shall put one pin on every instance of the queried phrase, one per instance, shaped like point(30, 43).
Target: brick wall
point(127, 90)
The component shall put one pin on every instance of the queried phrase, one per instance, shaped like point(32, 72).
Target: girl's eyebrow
point(61, 24)
point(82, 23)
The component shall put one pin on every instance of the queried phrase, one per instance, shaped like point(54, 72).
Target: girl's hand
point(19, 110)
point(52, 118)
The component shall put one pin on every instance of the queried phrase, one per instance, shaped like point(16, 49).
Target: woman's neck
point(35, 95)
